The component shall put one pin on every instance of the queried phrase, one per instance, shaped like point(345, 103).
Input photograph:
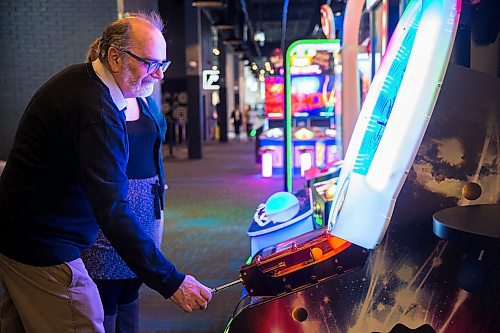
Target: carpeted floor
point(209, 206)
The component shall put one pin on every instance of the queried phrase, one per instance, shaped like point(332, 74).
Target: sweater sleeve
point(102, 157)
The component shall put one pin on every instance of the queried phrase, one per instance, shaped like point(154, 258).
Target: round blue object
point(282, 206)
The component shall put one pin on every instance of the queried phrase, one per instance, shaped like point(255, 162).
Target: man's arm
point(102, 153)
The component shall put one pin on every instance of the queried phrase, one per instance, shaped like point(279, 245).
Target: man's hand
point(191, 295)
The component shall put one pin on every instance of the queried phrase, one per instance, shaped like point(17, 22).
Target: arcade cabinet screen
point(313, 96)
point(312, 86)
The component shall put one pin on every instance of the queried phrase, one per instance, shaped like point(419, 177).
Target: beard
point(145, 89)
point(139, 87)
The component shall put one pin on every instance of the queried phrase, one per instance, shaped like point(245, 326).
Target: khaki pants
point(60, 298)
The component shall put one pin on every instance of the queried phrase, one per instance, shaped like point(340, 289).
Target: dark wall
point(172, 13)
point(40, 38)
point(140, 5)
point(186, 42)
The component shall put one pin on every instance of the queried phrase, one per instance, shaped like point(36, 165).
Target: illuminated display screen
point(312, 83)
point(312, 96)
point(274, 97)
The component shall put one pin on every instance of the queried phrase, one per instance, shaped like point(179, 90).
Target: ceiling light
point(259, 37)
point(222, 25)
point(232, 41)
point(208, 4)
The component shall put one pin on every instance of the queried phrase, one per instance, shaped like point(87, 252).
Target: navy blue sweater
point(66, 171)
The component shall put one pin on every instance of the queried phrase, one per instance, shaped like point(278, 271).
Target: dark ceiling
point(250, 16)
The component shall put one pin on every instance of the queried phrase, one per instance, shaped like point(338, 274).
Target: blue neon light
point(385, 102)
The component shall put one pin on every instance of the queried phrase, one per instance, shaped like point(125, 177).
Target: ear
point(114, 59)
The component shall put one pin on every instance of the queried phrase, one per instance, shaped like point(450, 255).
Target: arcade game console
point(304, 284)
point(384, 143)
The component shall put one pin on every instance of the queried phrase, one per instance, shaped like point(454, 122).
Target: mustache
point(149, 80)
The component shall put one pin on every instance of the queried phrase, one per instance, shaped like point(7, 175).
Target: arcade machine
point(313, 109)
point(323, 185)
point(377, 266)
point(309, 71)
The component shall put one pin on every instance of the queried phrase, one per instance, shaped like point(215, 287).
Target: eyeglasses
point(153, 66)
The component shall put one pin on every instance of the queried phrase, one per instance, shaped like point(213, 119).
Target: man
point(66, 171)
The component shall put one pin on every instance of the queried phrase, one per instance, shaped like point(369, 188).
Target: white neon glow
point(305, 69)
point(267, 165)
point(274, 133)
point(404, 124)
point(330, 132)
point(305, 162)
point(378, 190)
point(311, 48)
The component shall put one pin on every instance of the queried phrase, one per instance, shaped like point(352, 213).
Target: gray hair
point(118, 34)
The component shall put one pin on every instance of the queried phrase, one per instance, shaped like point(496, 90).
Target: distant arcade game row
point(314, 78)
point(323, 110)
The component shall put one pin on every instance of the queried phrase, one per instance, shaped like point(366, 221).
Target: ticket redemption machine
point(349, 276)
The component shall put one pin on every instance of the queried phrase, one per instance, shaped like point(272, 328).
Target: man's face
point(133, 78)
point(137, 81)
